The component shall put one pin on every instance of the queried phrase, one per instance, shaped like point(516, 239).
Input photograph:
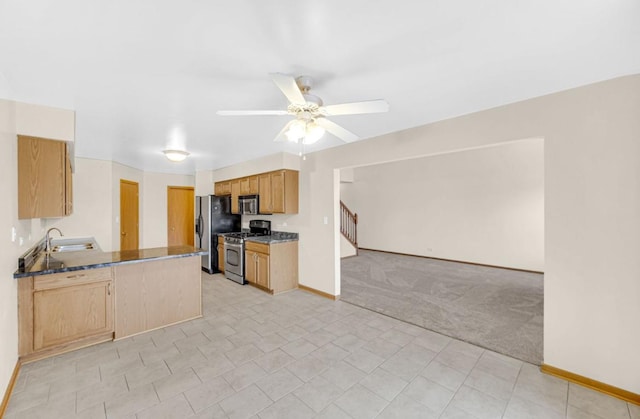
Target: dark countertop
point(82, 260)
point(275, 237)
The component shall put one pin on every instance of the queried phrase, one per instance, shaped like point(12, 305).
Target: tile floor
point(295, 355)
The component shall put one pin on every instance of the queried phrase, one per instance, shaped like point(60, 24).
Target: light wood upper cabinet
point(44, 178)
point(264, 190)
point(235, 193)
point(274, 267)
point(249, 185)
point(279, 192)
point(222, 188)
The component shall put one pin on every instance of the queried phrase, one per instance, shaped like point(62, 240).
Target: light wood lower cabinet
point(64, 311)
point(154, 294)
point(256, 264)
point(273, 267)
point(62, 315)
point(221, 253)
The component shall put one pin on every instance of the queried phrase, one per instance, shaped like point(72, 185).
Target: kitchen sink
point(72, 247)
point(73, 244)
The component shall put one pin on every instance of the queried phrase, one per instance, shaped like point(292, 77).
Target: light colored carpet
point(498, 309)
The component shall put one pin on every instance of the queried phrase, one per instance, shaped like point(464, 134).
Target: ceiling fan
point(311, 120)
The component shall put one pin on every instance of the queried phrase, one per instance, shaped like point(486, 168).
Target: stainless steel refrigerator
point(213, 216)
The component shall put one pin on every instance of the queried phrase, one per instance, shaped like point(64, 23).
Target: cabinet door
point(277, 192)
point(62, 315)
point(264, 190)
point(235, 193)
point(68, 178)
point(244, 186)
point(221, 253)
point(262, 269)
point(42, 186)
point(218, 188)
point(250, 268)
point(253, 184)
point(222, 188)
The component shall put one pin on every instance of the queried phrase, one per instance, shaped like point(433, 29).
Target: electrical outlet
point(326, 219)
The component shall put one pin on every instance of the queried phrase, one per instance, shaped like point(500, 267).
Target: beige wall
point(155, 205)
point(92, 210)
point(96, 206)
point(205, 180)
point(152, 190)
point(10, 250)
point(18, 118)
point(592, 202)
point(96, 189)
point(346, 248)
point(482, 206)
point(45, 121)
point(592, 227)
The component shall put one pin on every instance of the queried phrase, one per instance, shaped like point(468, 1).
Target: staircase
point(349, 226)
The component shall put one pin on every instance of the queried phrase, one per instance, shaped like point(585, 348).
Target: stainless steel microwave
point(249, 204)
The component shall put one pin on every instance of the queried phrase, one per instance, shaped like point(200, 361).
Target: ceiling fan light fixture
point(313, 133)
point(175, 155)
point(296, 131)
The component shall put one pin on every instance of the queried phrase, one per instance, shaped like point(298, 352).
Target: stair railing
point(349, 225)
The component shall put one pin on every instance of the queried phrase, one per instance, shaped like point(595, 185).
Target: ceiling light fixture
point(305, 131)
point(313, 132)
point(175, 155)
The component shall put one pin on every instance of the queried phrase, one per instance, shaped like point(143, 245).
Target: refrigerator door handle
point(199, 227)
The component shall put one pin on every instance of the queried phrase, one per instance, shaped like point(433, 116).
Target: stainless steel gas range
point(234, 249)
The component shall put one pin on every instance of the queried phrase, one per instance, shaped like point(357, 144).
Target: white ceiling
point(145, 75)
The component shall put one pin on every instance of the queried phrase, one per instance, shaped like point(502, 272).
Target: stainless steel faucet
point(47, 239)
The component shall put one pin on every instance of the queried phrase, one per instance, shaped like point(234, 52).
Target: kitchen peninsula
point(75, 299)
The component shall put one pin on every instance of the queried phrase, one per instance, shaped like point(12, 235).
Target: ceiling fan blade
point(337, 130)
point(245, 113)
point(281, 137)
point(289, 87)
point(368, 106)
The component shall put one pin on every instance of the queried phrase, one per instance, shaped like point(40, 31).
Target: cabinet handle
point(76, 276)
point(109, 288)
